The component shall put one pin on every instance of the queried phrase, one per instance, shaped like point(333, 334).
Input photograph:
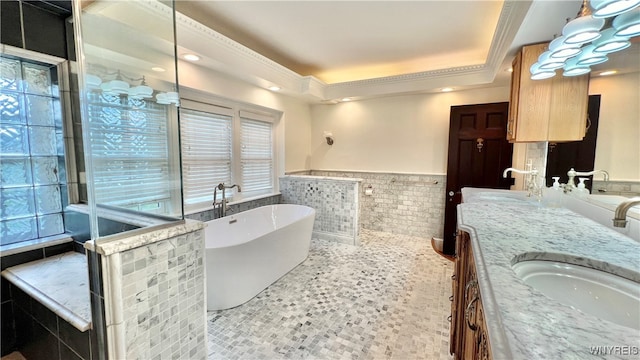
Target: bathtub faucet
point(220, 208)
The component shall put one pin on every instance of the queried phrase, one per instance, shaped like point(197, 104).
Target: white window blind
point(206, 152)
point(129, 145)
point(225, 145)
point(256, 156)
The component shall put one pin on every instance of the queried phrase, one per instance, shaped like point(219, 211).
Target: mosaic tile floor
point(386, 299)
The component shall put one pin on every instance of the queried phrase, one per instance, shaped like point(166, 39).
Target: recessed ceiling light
point(191, 57)
point(447, 89)
point(158, 69)
point(274, 88)
point(345, 99)
point(610, 72)
point(510, 70)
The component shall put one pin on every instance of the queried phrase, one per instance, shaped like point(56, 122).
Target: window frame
point(70, 194)
point(191, 98)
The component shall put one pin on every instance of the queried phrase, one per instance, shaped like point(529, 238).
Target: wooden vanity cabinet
point(552, 109)
point(469, 338)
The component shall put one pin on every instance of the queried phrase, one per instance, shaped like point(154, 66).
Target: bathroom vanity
point(499, 313)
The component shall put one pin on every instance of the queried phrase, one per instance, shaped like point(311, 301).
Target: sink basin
point(606, 296)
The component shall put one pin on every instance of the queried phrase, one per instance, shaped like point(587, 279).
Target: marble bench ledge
point(61, 283)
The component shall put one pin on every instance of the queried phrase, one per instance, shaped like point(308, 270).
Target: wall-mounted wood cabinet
point(552, 109)
point(469, 338)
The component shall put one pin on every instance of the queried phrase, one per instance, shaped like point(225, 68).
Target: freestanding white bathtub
point(248, 251)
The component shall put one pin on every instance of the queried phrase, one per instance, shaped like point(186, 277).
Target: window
point(256, 155)
point(225, 145)
point(130, 152)
point(33, 175)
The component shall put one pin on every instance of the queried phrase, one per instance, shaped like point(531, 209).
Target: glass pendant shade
point(627, 24)
point(582, 30)
point(588, 57)
point(573, 69)
point(609, 42)
point(173, 97)
point(167, 98)
point(608, 8)
point(141, 92)
point(559, 49)
point(162, 99)
point(115, 87)
point(539, 74)
point(93, 81)
point(548, 63)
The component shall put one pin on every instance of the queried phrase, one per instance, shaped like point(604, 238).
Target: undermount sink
point(604, 295)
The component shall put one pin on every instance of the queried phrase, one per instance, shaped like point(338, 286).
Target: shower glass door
point(129, 100)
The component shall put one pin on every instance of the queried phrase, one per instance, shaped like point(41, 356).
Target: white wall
point(618, 145)
point(409, 133)
point(403, 134)
point(297, 115)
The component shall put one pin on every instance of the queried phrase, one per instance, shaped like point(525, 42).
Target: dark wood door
point(478, 154)
point(580, 155)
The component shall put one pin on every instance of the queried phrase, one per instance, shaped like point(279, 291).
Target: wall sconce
point(329, 137)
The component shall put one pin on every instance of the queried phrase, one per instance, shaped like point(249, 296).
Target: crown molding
point(227, 56)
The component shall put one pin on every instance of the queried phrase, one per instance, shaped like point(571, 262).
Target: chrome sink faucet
point(620, 219)
point(571, 184)
point(531, 181)
point(220, 208)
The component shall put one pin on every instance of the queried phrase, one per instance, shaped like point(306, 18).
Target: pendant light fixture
point(628, 24)
point(93, 81)
point(609, 8)
point(588, 57)
point(141, 91)
point(583, 43)
point(572, 68)
point(558, 49)
point(609, 42)
point(166, 98)
point(584, 28)
point(116, 86)
point(549, 63)
point(540, 74)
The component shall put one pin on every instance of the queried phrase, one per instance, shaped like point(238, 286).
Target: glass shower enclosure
point(128, 99)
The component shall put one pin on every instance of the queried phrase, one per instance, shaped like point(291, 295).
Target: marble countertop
point(506, 227)
point(61, 283)
point(132, 239)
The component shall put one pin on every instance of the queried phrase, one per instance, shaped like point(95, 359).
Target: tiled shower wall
point(336, 201)
point(405, 204)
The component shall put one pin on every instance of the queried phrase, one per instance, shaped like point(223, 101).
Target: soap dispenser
point(582, 191)
point(553, 197)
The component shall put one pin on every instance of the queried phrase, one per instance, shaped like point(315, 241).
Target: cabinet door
point(516, 66)
point(552, 109)
point(569, 103)
point(457, 307)
point(534, 99)
point(472, 297)
point(483, 347)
